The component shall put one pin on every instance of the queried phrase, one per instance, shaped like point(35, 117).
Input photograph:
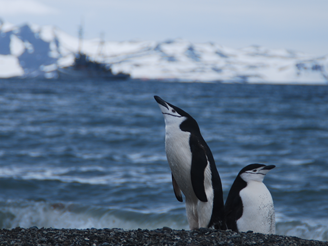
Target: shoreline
point(163, 236)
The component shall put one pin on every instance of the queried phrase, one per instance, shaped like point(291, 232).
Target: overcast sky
point(293, 24)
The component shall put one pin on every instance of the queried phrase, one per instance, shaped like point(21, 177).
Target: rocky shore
point(163, 236)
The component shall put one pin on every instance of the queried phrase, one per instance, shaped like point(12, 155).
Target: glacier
point(33, 51)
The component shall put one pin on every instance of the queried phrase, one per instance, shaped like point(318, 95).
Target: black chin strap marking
point(256, 173)
point(173, 115)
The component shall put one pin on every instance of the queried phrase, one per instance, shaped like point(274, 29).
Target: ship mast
point(80, 37)
point(1, 24)
point(101, 45)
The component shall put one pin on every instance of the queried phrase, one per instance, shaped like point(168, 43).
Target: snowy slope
point(34, 51)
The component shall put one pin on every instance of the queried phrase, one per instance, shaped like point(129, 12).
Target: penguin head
point(172, 114)
point(255, 172)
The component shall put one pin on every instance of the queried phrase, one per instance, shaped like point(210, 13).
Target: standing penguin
point(193, 168)
point(249, 206)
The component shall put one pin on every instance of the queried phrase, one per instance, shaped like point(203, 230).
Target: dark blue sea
point(91, 153)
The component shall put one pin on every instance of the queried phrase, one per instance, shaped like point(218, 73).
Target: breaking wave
point(60, 215)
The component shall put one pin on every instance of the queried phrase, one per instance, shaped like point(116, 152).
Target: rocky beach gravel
point(163, 236)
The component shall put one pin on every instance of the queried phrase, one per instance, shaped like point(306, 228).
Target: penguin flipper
point(198, 165)
point(176, 189)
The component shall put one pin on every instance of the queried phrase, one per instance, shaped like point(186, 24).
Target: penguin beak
point(268, 167)
point(161, 101)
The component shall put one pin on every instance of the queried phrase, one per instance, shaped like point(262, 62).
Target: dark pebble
point(164, 236)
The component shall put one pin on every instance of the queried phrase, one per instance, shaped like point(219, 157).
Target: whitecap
point(59, 215)
point(305, 228)
point(108, 175)
point(299, 162)
point(146, 158)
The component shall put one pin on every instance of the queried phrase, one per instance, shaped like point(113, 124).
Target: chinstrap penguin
point(193, 168)
point(249, 206)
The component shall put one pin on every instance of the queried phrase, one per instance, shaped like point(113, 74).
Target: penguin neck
point(186, 127)
point(190, 125)
point(173, 131)
point(253, 184)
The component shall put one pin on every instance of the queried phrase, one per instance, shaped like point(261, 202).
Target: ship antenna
point(101, 44)
point(80, 37)
point(1, 24)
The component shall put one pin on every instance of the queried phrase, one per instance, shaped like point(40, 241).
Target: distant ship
point(84, 67)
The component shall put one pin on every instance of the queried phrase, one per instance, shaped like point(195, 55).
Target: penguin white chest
point(258, 210)
point(179, 157)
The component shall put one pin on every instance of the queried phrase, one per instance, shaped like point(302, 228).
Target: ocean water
point(91, 153)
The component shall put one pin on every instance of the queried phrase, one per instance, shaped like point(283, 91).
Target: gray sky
point(293, 24)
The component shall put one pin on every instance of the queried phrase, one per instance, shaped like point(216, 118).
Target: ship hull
point(70, 73)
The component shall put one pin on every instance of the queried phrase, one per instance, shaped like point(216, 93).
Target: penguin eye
point(173, 111)
point(254, 171)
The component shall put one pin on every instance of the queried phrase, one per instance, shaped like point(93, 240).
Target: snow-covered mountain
point(37, 51)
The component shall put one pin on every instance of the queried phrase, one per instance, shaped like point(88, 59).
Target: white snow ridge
point(30, 51)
